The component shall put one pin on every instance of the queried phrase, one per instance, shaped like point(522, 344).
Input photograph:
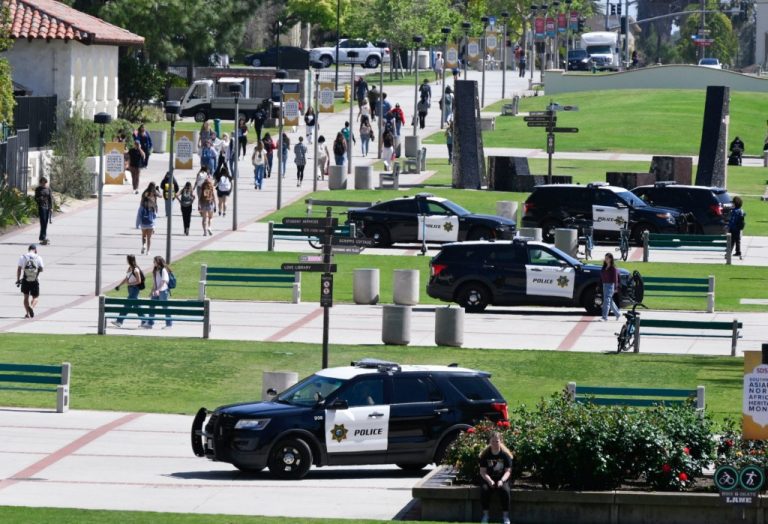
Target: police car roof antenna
point(423, 235)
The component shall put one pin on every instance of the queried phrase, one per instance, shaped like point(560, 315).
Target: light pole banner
point(491, 42)
point(291, 111)
point(574, 21)
point(451, 56)
point(539, 30)
point(755, 410)
point(551, 27)
point(326, 97)
point(183, 148)
point(114, 163)
point(473, 49)
point(562, 23)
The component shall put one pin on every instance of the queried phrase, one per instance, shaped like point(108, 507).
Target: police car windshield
point(455, 208)
point(631, 199)
point(310, 391)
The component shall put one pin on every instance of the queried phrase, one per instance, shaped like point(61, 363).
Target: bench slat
point(30, 379)
point(694, 335)
point(46, 390)
point(676, 289)
point(243, 271)
point(687, 324)
point(243, 278)
point(674, 280)
point(670, 236)
point(633, 402)
point(159, 311)
point(156, 303)
point(337, 203)
point(30, 368)
point(642, 392)
point(673, 243)
point(160, 318)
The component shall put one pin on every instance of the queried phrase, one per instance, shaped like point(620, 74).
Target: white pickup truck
point(367, 54)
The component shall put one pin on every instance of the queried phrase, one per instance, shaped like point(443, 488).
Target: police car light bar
point(374, 363)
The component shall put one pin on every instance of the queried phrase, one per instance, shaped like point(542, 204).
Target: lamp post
point(466, 26)
point(338, 35)
point(556, 40)
point(544, 8)
point(505, 17)
point(101, 119)
point(316, 66)
point(352, 54)
point(446, 31)
point(417, 39)
point(280, 75)
point(172, 110)
point(484, 20)
point(567, 30)
point(532, 54)
point(381, 45)
point(234, 90)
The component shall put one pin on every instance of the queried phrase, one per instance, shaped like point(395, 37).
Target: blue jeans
point(284, 162)
point(163, 297)
point(258, 175)
point(608, 303)
point(339, 159)
point(364, 140)
point(133, 294)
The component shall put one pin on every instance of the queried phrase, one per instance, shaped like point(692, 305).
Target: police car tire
point(476, 303)
point(589, 299)
point(292, 449)
point(411, 467)
point(442, 448)
point(379, 234)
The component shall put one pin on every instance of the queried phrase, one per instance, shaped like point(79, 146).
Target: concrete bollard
point(507, 209)
point(530, 232)
point(567, 240)
point(365, 286)
point(337, 177)
point(364, 177)
point(159, 141)
point(412, 146)
point(277, 380)
point(405, 287)
point(765, 159)
point(396, 325)
point(449, 326)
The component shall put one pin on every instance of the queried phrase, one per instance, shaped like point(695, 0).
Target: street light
point(352, 54)
point(316, 66)
point(484, 20)
point(338, 35)
point(556, 42)
point(466, 26)
point(101, 119)
point(382, 45)
point(172, 110)
point(446, 31)
point(417, 39)
point(280, 75)
point(505, 17)
point(544, 8)
point(532, 54)
point(234, 90)
point(567, 29)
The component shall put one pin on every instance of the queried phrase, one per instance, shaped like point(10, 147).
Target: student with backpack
point(146, 216)
point(162, 283)
point(339, 149)
point(134, 277)
point(186, 200)
point(44, 201)
point(223, 189)
point(29, 268)
point(736, 224)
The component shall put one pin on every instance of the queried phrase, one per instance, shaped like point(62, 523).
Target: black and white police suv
point(410, 218)
point(518, 273)
point(371, 412)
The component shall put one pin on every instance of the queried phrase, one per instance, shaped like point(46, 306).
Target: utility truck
point(604, 49)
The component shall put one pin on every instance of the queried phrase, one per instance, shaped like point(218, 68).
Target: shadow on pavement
point(314, 474)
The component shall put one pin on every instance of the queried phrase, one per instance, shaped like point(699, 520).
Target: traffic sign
point(310, 258)
point(550, 144)
point(346, 241)
point(565, 129)
point(346, 250)
point(317, 268)
point(540, 119)
point(540, 124)
point(541, 113)
point(326, 290)
point(310, 221)
point(311, 230)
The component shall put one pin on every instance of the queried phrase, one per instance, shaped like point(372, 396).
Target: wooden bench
point(509, 110)
point(393, 177)
point(414, 166)
point(312, 202)
point(40, 378)
point(675, 242)
point(283, 232)
point(248, 277)
point(698, 325)
point(487, 123)
point(635, 397)
point(681, 287)
point(155, 310)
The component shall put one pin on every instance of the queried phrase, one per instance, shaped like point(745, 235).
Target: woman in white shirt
point(160, 289)
point(135, 280)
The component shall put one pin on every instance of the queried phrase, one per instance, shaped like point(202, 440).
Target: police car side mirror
point(271, 392)
point(338, 404)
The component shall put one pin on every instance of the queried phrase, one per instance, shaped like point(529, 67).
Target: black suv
point(710, 207)
point(520, 272)
point(579, 60)
point(549, 204)
point(371, 412)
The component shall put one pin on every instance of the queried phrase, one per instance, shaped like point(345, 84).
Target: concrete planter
point(449, 326)
point(412, 146)
point(365, 286)
point(443, 501)
point(567, 241)
point(507, 209)
point(278, 380)
point(396, 325)
point(531, 232)
point(405, 287)
point(364, 177)
point(159, 141)
point(337, 177)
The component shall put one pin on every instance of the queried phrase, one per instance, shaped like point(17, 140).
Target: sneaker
point(146, 326)
point(148, 253)
point(167, 327)
point(142, 250)
point(604, 319)
point(617, 316)
point(116, 324)
point(31, 312)
point(505, 520)
point(135, 191)
point(210, 232)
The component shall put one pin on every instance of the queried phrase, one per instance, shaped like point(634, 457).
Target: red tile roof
point(51, 20)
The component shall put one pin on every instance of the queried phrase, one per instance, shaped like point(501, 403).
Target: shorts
point(208, 207)
point(30, 288)
point(223, 193)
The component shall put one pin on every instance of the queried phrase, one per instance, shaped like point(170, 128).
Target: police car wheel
point(411, 467)
point(592, 300)
point(442, 448)
point(480, 233)
point(473, 297)
point(379, 234)
point(290, 459)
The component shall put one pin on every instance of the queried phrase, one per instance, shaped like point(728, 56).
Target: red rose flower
point(683, 476)
point(729, 443)
point(666, 468)
point(687, 451)
point(470, 430)
point(503, 423)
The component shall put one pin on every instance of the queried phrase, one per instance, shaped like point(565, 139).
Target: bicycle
point(585, 233)
point(624, 242)
point(626, 336)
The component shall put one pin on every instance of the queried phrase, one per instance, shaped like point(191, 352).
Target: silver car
point(368, 55)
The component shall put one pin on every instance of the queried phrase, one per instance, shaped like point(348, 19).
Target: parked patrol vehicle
point(371, 412)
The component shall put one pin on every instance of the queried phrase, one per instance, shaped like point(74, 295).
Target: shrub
point(734, 450)
point(15, 207)
point(563, 444)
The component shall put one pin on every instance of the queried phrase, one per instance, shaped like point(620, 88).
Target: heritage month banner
point(114, 163)
point(491, 41)
point(291, 111)
point(182, 149)
point(326, 97)
point(755, 408)
point(451, 56)
point(473, 49)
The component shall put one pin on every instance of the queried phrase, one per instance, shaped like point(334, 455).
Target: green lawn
point(637, 121)
point(174, 375)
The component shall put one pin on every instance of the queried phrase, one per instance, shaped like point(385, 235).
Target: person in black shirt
point(495, 472)
point(44, 200)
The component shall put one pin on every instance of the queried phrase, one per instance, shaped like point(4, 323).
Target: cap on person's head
point(33, 247)
point(397, 105)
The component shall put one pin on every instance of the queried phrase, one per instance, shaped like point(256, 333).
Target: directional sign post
point(311, 267)
point(548, 120)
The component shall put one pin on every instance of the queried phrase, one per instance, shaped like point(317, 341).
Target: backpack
point(338, 148)
point(31, 269)
point(142, 284)
point(224, 184)
point(171, 280)
point(186, 199)
point(146, 216)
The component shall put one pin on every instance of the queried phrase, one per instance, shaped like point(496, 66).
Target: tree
point(138, 82)
point(724, 44)
point(321, 13)
point(7, 102)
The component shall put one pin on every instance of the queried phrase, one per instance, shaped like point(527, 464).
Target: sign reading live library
point(755, 410)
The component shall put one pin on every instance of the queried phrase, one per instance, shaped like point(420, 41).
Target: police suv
point(370, 412)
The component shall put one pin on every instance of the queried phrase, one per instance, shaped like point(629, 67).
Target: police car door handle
point(488, 266)
point(536, 269)
point(441, 411)
point(375, 414)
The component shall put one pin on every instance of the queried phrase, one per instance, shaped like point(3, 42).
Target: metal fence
point(14, 160)
point(37, 114)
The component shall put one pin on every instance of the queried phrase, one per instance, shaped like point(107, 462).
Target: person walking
point(146, 216)
point(736, 223)
point(423, 108)
point(165, 184)
point(609, 276)
point(399, 118)
point(223, 190)
point(495, 472)
point(521, 64)
point(207, 135)
point(449, 141)
point(349, 137)
point(269, 148)
point(260, 117)
point(361, 91)
point(201, 177)
point(259, 162)
point(206, 205)
point(309, 121)
point(300, 157)
point(186, 200)
point(134, 278)
point(448, 104)
point(44, 201)
point(323, 157)
point(365, 110)
point(339, 149)
point(135, 161)
point(373, 101)
point(160, 290)
point(27, 273)
point(366, 135)
point(285, 146)
point(226, 148)
point(425, 92)
point(388, 151)
point(386, 107)
point(242, 138)
point(208, 157)
point(438, 67)
point(145, 141)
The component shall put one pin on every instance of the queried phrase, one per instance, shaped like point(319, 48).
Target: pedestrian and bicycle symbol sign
point(739, 486)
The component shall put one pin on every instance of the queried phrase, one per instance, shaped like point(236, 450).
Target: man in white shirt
point(29, 267)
